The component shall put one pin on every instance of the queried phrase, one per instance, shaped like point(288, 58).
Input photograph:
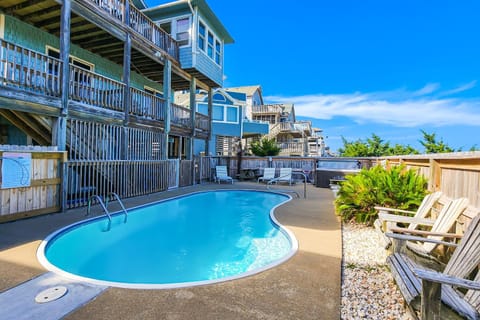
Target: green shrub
point(265, 147)
point(395, 187)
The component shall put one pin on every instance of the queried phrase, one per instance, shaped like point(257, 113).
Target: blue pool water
point(196, 239)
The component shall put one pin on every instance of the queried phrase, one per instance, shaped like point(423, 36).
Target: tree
point(265, 147)
point(431, 144)
point(400, 149)
point(373, 147)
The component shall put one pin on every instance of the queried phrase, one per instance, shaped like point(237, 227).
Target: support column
point(59, 126)
point(210, 110)
point(59, 129)
point(167, 93)
point(127, 49)
point(193, 110)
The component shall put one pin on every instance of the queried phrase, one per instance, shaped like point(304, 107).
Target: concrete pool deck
point(308, 286)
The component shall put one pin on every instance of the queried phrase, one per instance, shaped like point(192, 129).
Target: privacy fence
point(70, 180)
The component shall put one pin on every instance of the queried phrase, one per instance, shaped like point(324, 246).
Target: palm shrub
point(395, 187)
point(265, 147)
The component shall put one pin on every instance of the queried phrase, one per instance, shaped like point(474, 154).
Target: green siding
point(18, 32)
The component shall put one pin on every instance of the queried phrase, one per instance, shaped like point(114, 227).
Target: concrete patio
point(308, 286)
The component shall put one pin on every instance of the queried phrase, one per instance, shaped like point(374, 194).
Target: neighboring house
point(97, 79)
point(229, 123)
point(295, 138)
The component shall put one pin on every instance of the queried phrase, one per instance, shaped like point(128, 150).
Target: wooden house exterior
point(96, 78)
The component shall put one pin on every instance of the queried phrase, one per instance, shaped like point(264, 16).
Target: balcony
point(267, 109)
point(253, 127)
point(35, 77)
point(101, 27)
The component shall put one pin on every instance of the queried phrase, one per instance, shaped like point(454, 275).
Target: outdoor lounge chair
point(285, 175)
point(425, 289)
point(221, 174)
point(268, 174)
point(397, 215)
point(439, 227)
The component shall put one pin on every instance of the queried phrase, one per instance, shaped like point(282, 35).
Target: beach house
point(96, 79)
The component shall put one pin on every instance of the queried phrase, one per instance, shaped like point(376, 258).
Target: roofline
point(205, 8)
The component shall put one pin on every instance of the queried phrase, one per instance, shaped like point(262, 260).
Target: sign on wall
point(16, 169)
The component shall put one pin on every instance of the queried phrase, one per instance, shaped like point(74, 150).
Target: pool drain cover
point(51, 294)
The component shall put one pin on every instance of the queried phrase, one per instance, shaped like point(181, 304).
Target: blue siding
point(186, 57)
point(255, 128)
point(226, 129)
point(209, 68)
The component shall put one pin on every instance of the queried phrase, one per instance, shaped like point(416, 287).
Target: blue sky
point(360, 67)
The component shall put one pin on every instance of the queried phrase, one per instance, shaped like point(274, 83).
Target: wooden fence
point(30, 182)
point(455, 174)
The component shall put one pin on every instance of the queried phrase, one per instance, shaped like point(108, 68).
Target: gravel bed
point(368, 290)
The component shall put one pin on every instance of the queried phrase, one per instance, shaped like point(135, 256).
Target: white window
point(201, 36)
point(221, 113)
point(209, 43)
point(179, 29)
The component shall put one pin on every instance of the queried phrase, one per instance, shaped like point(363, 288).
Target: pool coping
point(51, 267)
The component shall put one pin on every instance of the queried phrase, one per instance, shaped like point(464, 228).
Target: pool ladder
point(104, 206)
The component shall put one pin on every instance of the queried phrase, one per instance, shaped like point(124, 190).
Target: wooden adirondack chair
point(425, 289)
point(389, 215)
point(439, 228)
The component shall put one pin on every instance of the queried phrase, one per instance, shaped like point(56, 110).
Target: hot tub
point(328, 169)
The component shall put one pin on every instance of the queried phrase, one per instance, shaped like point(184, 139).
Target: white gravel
point(368, 290)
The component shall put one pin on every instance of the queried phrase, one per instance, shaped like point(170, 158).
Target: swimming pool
point(191, 240)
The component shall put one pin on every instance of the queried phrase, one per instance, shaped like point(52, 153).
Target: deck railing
point(114, 8)
point(147, 105)
point(180, 116)
point(288, 148)
point(273, 108)
point(29, 70)
point(94, 89)
point(202, 121)
point(149, 30)
point(140, 23)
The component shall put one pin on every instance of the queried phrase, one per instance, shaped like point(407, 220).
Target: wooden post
point(431, 300)
point(167, 92)
point(193, 109)
point(210, 110)
point(59, 130)
point(127, 49)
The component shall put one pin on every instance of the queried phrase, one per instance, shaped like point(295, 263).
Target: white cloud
point(461, 88)
point(398, 108)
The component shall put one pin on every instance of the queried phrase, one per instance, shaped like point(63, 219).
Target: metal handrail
point(103, 206)
point(270, 182)
point(120, 202)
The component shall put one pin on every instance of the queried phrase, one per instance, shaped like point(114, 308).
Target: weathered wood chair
point(424, 290)
point(439, 229)
point(393, 215)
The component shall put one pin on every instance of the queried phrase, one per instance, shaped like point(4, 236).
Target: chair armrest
point(383, 209)
point(426, 233)
point(438, 277)
point(403, 219)
point(420, 239)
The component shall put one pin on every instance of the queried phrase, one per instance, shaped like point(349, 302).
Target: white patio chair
point(222, 175)
point(268, 174)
